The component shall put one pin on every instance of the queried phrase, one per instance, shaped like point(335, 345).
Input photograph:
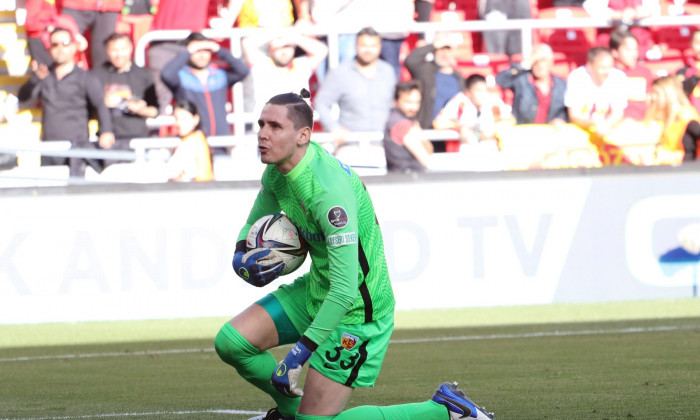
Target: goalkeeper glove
point(259, 266)
point(286, 376)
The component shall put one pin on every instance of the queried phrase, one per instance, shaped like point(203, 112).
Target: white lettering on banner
point(478, 244)
point(641, 259)
point(8, 265)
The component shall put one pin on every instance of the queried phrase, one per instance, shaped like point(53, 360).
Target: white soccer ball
point(276, 231)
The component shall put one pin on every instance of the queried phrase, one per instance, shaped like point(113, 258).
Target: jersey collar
point(303, 163)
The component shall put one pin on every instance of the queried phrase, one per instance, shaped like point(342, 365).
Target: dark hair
point(115, 37)
point(61, 29)
point(194, 36)
point(595, 52)
point(474, 79)
point(190, 107)
point(407, 86)
point(298, 111)
point(368, 30)
point(618, 37)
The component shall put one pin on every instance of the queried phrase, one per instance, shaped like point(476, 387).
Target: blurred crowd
point(604, 106)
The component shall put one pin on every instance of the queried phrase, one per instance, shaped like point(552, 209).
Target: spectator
point(595, 93)
point(504, 42)
point(42, 19)
point(405, 147)
point(538, 95)
point(681, 128)
point(100, 16)
point(473, 113)
point(689, 74)
point(438, 76)
point(625, 50)
point(129, 92)
point(67, 94)
point(362, 89)
point(278, 70)
point(192, 15)
point(192, 158)
point(190, 75)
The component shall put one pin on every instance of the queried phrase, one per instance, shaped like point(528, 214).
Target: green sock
point(253, 365)
point(428, 410)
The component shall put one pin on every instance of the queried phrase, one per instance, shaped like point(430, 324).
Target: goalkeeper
point(339, 316)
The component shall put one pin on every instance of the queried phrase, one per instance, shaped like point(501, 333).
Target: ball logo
point(243, 273)
point(281, 369)
point(338, 217)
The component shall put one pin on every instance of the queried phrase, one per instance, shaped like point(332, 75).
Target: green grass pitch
point(589, 361)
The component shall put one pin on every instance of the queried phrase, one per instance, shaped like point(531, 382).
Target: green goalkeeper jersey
point(348, 282)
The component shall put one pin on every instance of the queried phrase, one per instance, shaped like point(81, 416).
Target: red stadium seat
point(666, 65)
point(574, 42)
point(675, 37)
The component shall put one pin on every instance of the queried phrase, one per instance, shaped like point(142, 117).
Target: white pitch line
point(631, 330)
point(144, 414)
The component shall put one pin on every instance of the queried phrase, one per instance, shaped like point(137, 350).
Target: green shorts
point(353, 353)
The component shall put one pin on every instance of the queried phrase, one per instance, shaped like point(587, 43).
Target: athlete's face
point(279, 143)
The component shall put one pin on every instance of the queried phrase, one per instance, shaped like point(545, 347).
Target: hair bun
point(305, 94)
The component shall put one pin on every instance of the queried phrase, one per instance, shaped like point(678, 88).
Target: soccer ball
point(276, 231)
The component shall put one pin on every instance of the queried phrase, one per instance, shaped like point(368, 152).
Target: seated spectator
point(538, 95)
point(277, 69)
point(681, 128)
point(129, 92)
point(192, 158)
point(595, 93)
point(625, 50)
point(405, 146)
point(191, 75)
point(67, 94)
point(690, 73)
point(42, 18)
point(362, 89)
point(435, 67)
point(473, 113)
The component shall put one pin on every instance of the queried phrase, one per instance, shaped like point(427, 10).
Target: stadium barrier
point(453, 240)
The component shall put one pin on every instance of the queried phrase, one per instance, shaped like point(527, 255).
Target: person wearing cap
point(191, 76)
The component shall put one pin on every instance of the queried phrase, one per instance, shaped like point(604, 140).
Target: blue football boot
point(458, 404)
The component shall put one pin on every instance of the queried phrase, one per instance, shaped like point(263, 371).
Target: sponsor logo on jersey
point(348, 341)
point(338, 217)
point(342, 239)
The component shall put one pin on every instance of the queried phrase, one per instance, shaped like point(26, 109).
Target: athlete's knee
point(231, 346)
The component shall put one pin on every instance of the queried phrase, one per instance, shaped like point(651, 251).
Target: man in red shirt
point(625, 51)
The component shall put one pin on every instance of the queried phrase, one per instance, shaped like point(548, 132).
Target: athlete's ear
point(303, 136)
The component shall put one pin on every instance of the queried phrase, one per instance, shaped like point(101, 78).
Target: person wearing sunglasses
point(68, 94)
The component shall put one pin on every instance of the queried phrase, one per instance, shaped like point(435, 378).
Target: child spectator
point(192, 158)
point(473, 113)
